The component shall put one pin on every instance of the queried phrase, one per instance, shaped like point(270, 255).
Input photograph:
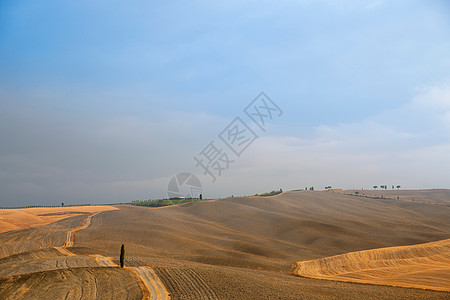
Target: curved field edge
point(424, 266)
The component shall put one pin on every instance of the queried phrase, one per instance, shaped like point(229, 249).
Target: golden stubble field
point(425, 266)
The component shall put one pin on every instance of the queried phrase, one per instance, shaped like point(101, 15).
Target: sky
point(106, 101)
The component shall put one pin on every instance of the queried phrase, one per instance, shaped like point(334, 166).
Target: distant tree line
point(165, 202)
point(34, 206)
point(272, 193)
point(385, 187)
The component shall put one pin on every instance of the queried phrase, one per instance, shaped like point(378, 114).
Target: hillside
point(268, 233)
point(235, 247)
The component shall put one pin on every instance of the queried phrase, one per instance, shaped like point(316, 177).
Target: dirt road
point(152, 283)
point(64, 251)
point(104, 261)
point(71, 233)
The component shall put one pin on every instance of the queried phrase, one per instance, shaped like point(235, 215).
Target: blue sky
point(102, 101)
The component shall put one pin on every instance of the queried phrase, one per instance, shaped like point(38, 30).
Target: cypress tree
point(122, 255)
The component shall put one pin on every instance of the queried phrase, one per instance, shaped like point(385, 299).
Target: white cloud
point(381, 150)
point(129, 158)
point(433, 97)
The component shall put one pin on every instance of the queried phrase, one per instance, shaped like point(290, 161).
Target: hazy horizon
point(105, 102)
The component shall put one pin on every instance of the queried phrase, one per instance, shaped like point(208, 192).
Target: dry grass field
point(234, 248)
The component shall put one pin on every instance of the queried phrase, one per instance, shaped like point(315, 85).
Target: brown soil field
point(236, 248)
point(266, 233)
point(14, 219)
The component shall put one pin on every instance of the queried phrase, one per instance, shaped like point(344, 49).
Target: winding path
point(64, 251)
point(71, 233)
point(152, 283)
point(104, 261)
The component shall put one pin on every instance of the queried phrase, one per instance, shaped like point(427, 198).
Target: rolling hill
point(235, 247)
